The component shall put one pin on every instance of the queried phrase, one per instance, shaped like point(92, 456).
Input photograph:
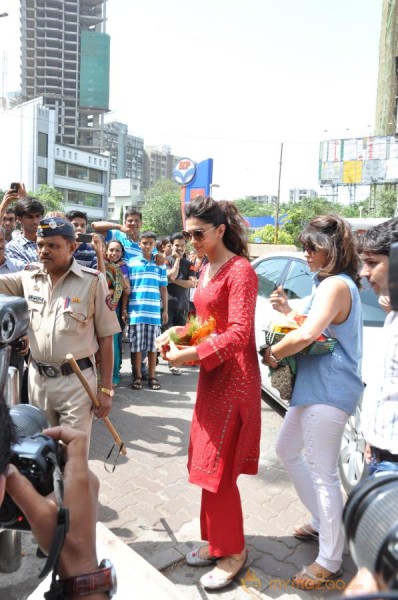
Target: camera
point(85, 238)
point(14, 187)
point(371, 525)
point(34, 454)
point(393, 275)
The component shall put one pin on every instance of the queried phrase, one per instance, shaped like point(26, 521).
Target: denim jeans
point(379, 467)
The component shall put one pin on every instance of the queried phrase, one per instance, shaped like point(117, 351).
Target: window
point(61, 168)
point(298, 283)
point(269, 273)
point(42, 144)
point(41, 175)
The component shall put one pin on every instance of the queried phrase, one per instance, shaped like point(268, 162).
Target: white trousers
point(318, 430)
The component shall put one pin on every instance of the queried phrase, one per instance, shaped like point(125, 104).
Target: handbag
point(282, 379)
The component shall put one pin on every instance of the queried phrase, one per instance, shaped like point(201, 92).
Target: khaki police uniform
point(64, 318)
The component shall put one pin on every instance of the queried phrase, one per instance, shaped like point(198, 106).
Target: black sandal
point(137, 384)
point(153, 383)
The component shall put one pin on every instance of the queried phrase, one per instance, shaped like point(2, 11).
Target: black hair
point(9, 209)
point(73, 214)
point(379, 238)
point(132, 210)
point(148, 234)
point(176, 236)
point(218, 213)
point(28, 205)
point(334, 235)
point(118, 242)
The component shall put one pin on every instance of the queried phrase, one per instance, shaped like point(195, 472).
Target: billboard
point(358, 161)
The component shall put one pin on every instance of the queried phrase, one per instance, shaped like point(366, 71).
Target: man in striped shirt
point(145, 315)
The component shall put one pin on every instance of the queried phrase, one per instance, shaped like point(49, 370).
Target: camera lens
point(28, 420)
point(371, 524)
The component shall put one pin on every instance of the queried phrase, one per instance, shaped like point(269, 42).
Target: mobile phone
point(14, 187)
point(85, 238)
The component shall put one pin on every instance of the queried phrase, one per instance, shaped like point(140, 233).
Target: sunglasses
point(310, 248)
point(197, 234)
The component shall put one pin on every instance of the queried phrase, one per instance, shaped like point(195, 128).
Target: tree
point(267, 235)
point(300, 214)
point(51, 198)
point(162, 208)
point(248, 208)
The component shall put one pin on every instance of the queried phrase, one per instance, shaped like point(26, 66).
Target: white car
point(290, 270)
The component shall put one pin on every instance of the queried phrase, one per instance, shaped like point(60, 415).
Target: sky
point(234, 79)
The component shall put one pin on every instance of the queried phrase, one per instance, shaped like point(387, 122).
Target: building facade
point(299, 194)
point(34, 158)
point(65, 60)
point(158, 164)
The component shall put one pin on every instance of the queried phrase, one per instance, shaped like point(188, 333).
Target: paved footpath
point(148, 503)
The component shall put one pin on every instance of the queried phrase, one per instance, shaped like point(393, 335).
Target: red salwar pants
point(221, 518)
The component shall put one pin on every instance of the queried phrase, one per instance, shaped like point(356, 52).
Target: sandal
point(305, 532)
point(153, 383)
point(137, 384)
point(306, 580)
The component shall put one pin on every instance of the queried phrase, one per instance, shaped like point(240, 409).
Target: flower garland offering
point(193, 333)
point(292, 321)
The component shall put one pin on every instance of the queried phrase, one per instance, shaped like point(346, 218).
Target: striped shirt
point(131, 248)
point(85, 255)
point(22, 249)
point(379, 417)
point(146, 278)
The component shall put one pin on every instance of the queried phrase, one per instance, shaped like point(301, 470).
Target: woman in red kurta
point(225, 431)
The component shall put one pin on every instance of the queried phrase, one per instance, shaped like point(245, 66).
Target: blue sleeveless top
point(333, 379)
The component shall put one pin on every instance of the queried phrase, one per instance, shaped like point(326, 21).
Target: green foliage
point(300, 214)
point(267, 235)
point(248, 208)
point(50, 197)
point(162, 208)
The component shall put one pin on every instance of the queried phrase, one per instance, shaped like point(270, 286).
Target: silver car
point(290, 270)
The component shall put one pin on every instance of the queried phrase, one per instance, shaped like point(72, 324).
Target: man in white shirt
point(380, 401)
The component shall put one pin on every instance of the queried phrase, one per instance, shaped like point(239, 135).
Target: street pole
point(278, 197)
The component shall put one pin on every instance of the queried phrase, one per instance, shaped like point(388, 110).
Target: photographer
point(78, 555)
point(380, 400)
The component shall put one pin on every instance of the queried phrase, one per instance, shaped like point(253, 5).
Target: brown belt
point(48, 370)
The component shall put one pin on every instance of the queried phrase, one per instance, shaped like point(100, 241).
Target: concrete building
point(126, 152)
point(299, 194)
point(158, 164)
point(264, 199)
point(124, 193)
point(33, 157)
point(65, 60)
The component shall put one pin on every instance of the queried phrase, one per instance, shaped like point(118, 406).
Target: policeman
point(70, 312)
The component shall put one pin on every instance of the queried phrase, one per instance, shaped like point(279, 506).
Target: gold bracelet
point(106, 391)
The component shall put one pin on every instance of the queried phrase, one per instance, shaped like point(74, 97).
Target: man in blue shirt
point(148, 289)
point(127, 234)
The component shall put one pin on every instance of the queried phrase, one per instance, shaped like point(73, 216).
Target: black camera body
point(34, 457)
point(34, 454)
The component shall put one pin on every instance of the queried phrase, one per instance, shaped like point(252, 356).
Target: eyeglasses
point(310, 248)
point(197, 234)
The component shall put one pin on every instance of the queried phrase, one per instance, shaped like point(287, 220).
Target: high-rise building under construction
point(65, 59)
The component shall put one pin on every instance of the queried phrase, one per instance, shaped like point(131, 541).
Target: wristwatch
point(102, 581)
point(110, 393)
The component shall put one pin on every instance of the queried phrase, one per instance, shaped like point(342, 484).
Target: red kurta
point(229, 386)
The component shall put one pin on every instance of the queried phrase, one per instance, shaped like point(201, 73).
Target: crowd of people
point(81, 295)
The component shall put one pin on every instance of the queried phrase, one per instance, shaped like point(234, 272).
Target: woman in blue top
point(326, 391)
